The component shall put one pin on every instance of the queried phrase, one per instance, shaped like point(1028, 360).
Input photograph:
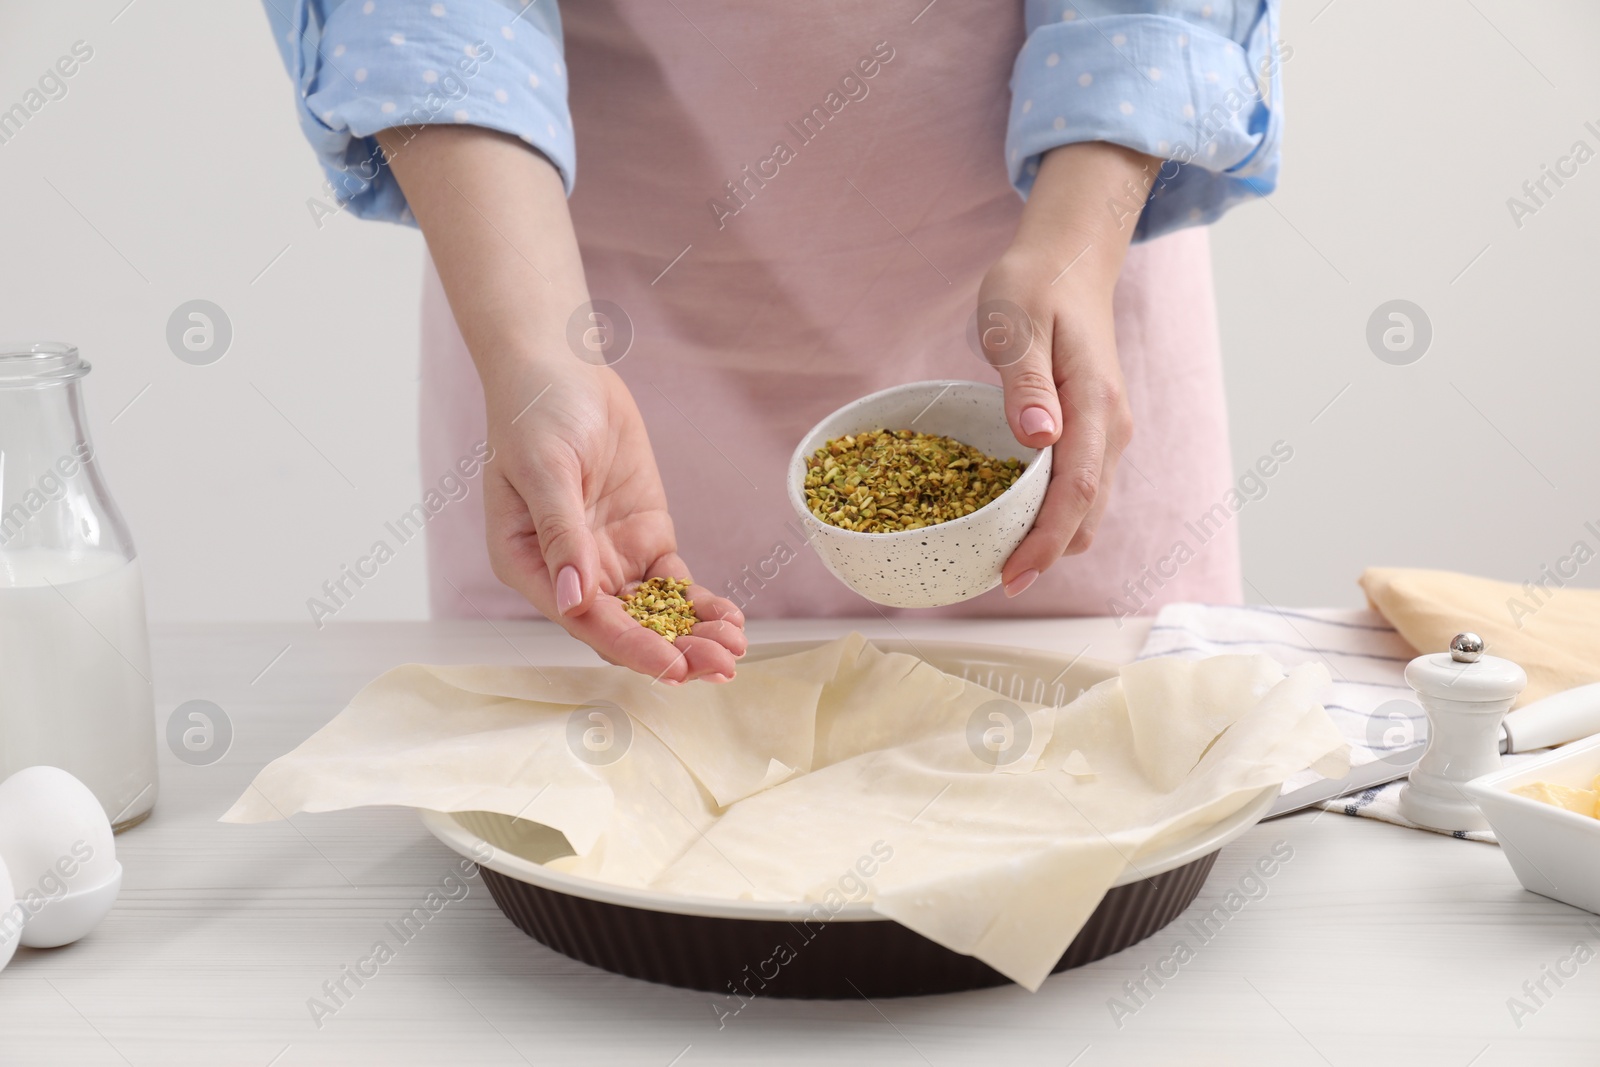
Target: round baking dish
point(741, 948)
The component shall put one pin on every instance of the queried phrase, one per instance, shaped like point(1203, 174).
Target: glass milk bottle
point(74, 653)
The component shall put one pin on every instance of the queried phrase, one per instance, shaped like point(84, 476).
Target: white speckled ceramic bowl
point(936, 565)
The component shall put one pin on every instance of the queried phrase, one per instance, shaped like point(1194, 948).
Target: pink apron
point(768, 286)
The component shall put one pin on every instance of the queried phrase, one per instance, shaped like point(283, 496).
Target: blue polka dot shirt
point(1196, 83)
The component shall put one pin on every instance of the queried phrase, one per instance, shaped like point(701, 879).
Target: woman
point(780, 211)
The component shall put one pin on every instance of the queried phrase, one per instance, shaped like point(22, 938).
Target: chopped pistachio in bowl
point(920, 566)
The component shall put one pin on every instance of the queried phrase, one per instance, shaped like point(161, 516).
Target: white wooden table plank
point(1371, 944)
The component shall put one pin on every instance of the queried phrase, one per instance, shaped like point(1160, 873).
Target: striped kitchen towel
point(1369, 700)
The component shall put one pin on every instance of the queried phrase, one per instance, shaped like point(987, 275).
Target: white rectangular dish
point(1554, 852)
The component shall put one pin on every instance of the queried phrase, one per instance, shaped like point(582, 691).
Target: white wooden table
point(1372, 944)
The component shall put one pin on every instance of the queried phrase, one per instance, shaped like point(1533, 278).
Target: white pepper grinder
point(1465, 694)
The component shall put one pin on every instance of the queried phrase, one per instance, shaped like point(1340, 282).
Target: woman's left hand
point(1045, 323)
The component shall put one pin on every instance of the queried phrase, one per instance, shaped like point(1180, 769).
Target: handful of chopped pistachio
point(659, 604)
point(889, 480)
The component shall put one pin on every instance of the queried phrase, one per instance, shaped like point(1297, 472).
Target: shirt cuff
point(1178, 89)
point(376, 64)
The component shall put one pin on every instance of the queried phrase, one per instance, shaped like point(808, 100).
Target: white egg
point(57, 844)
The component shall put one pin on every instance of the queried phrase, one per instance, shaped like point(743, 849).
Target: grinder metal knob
point(1466, 648)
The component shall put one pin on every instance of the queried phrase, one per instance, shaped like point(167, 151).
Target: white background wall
point(1410, 124)
point(173, 170)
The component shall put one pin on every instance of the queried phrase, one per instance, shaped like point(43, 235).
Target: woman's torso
point(794, 209)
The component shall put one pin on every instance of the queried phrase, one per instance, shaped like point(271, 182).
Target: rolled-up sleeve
point(362, 66)
point(1195, 83)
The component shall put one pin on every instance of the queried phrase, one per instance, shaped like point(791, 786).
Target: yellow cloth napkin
point(1551, 632)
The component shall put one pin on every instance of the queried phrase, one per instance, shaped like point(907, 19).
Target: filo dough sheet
point(989, 825)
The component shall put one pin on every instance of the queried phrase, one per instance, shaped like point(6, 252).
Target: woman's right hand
point(575, 511)
point(576, 517)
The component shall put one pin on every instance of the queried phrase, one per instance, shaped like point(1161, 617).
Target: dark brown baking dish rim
point(742, 959)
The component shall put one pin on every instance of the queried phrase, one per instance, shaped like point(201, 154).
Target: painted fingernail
point(1021, 582)
point(1037, 420)
point(569, 590)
